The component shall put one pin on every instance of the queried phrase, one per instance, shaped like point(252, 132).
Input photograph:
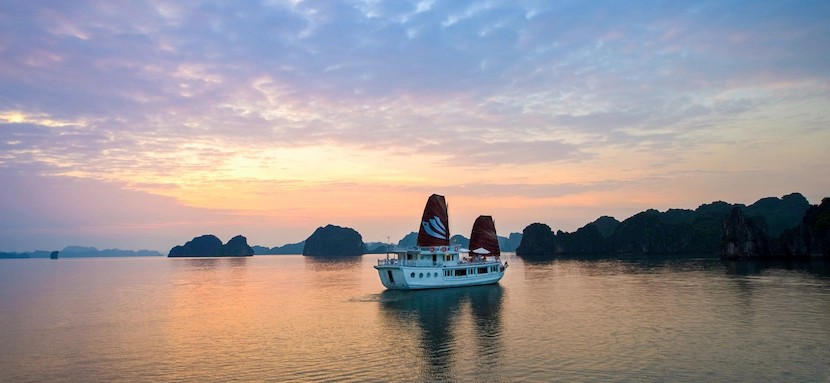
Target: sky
point(143, 124)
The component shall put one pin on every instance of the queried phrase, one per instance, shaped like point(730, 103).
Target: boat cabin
point(431, 257)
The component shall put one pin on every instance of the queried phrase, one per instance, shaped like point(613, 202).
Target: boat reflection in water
point(446, 322)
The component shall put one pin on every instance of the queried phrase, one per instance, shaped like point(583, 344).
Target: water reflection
point(443, 317)
point(544, 268)
point(486, 305)
point(194, 263)
point(548, 259)
point(817, 268)
point(210, 302)
point(331, 263)
point(537, 260)
point(342, 273)
point(209, 263)
point(629, 264)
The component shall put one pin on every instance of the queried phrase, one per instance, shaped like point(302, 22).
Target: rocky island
point(210, 246)
point(787, 227)
point(334, 241)
point(290, 248)
point(744, 238)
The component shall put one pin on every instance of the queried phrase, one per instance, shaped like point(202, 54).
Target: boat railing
point(388, 262)
point(411, 262)
point(430, 263)
point(478, 260)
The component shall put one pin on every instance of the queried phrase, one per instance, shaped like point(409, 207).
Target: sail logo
point(435, 228)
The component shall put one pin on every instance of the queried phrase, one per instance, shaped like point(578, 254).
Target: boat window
point(482, 270)
point(447, 273)
point(460, 272)
point(436, 275)
point(472, 271)
point(391, 279)
point(449, 257)
point(412, 275)
point(421, 275)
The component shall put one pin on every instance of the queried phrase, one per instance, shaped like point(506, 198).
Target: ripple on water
point(296, 319)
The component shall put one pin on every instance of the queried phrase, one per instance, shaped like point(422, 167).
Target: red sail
point(435, 223)
point(483, 239)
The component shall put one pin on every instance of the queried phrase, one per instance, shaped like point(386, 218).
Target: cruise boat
point(436, 263)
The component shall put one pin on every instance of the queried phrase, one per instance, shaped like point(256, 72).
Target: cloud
point(53, 212)
point(476, 153)
point(168, 94)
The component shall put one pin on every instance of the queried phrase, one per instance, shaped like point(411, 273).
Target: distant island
point(771, 228)
point(83, 252)
point(291, 248)
point(209, 245)
point(505, 244)
point(791, 227)
point(324, 242)
point(79, 251)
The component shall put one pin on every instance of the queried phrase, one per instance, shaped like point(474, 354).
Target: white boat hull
point(397, 277)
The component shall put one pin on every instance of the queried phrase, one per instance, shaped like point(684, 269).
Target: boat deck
point(430, 263)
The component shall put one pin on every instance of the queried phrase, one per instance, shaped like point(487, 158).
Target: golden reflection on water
point(210, 299)
point(294, 318)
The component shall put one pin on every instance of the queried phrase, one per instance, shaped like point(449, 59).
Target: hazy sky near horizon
point(142, 124)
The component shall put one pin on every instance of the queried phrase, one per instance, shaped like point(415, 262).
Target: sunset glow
point(144, 124)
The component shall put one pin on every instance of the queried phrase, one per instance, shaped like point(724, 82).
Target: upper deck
point(435, 257)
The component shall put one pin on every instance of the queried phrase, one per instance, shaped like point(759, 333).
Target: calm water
point(293, 318)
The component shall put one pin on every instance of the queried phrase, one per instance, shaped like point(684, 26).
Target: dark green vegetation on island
point(210, 246)
point(334, 241)
point(788, 220)
point(745, 237)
